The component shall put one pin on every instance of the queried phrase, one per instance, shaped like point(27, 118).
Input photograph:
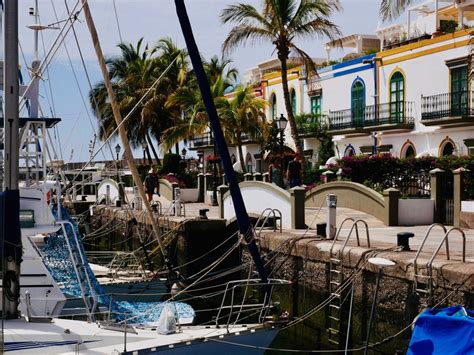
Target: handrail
point(353, 226)
point(271, 211)
point(90, 312)
point(233, 285)
point(430, 228)
point(445, 239)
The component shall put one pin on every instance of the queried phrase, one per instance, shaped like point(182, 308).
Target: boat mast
point(243, 220)
point(122, 132)
point(12, 250)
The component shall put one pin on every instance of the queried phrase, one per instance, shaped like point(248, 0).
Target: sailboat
point(32, 324)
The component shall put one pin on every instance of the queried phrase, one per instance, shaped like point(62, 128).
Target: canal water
point(312, 334)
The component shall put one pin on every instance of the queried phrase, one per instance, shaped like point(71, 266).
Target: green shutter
point(459, 92)
point(397, 96)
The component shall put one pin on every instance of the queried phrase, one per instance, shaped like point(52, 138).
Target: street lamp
point(145, 147)
point(117, 150)
point(281, 124)
point(183, 153)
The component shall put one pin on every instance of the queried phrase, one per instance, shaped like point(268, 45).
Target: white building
point(410, 97)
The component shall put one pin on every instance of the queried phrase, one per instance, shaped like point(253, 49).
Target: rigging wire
point(81, 94)
point(86, 72)
point(54, 48)
point(125, 119)
point(117, 21)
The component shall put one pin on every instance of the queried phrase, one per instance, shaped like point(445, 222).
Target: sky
point(64, 94)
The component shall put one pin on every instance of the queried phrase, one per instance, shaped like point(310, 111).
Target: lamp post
point(145, 147)
point(117, 151)
point(214, 178)
point(183, 158)
point(281, 123)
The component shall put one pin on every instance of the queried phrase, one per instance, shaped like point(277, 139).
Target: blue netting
point(58, 261)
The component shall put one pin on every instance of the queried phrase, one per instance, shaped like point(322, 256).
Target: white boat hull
point(71, 337)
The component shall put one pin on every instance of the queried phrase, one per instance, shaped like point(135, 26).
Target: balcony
point(382, 117)
point(311, 129)
point(452, 109)
point(203, 141)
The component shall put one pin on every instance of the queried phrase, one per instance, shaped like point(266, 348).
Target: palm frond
point(391, 9)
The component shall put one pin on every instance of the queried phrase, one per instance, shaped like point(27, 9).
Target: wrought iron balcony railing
point(395, 113)
point(446, 106)
point(204, 140)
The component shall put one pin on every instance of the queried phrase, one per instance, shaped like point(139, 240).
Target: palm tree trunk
point(289, 110)
point(241, 153)
point(153, 150)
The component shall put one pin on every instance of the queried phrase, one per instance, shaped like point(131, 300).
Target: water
point(311, 334)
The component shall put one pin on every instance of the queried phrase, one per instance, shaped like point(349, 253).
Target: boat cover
point(443, 331)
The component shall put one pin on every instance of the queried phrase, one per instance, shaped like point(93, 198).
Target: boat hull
point(232, 344)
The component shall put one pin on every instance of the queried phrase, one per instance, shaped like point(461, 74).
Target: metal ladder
point(336, 278)
point(423, 283)
point(88, 293)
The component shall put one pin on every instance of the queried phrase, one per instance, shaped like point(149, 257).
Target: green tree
point(243, 113)
point(194, 121)
point(281, 22)
point(133, 72)
point(391, 9)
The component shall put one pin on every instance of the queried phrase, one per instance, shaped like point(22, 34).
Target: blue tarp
point(443, 331)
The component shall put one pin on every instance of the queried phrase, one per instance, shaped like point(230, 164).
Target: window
point(350, 151)
point(316, 105)
point(459, 92)
point(448, 149)
point(410, 152)
point(293, 101)
point(273, 108)
point(358, 102)
point(397, 96)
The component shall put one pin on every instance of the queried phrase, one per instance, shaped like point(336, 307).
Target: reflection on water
point(311, 334)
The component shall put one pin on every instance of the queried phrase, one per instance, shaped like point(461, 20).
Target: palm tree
point(132, 73)
point(391, 9)
point(193, 121)
point(243, 113)
point(177, 77)
point(281, 22)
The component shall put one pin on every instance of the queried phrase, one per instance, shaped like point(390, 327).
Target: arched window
point(358, 102)
point(447, 149)
point(233, 159)
point(408, 150)
point(273, 107)
point(397, 96)
point(350, 151)
point(293, 101)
